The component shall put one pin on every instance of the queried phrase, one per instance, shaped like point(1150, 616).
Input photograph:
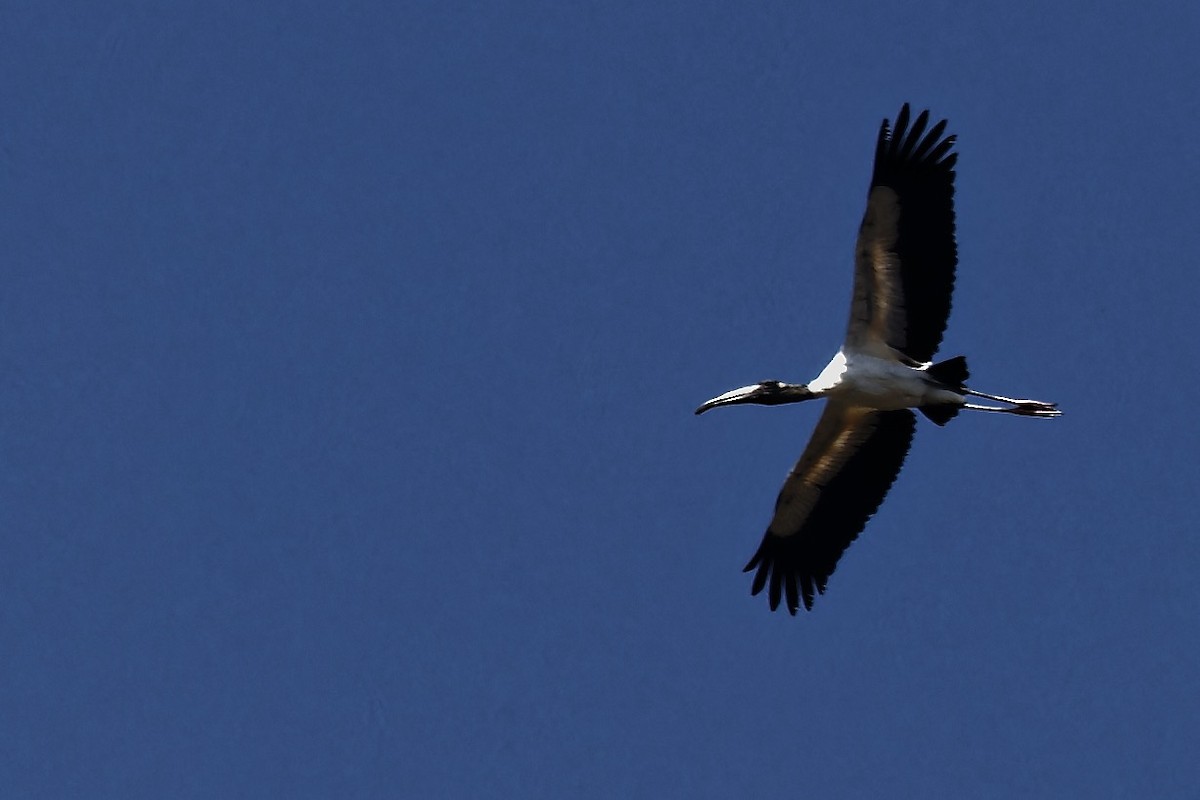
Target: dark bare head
point(767, 393)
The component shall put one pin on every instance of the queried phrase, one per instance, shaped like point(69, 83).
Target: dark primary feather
point(861, 451)
point(919, 167)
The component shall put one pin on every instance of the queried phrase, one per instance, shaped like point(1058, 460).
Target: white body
point(885, 384)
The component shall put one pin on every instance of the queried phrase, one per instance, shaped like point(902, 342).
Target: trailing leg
point(1023, 408)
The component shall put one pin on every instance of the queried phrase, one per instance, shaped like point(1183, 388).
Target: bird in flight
point(904, 264)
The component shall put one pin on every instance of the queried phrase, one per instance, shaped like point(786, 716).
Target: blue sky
point(349, 358)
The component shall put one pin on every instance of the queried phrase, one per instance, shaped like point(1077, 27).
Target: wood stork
point(903, 278)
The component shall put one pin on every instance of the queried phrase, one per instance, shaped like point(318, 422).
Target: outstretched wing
point(905, 256)
point(845, 472)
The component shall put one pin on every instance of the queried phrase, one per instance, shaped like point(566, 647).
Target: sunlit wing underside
point(905, 256)
point(840, 480)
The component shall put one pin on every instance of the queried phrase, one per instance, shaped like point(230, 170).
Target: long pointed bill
point(745, 394)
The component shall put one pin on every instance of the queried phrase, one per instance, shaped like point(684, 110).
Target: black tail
point(952, 372)
point(940, 415)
